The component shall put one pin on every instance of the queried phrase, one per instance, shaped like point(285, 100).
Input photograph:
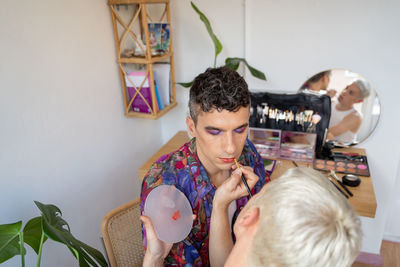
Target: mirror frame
point(351, 75)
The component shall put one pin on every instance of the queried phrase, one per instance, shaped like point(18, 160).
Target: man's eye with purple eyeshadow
point(213, 132)
point(240, 130)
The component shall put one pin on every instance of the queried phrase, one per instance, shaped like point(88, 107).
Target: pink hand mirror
point(170, 212)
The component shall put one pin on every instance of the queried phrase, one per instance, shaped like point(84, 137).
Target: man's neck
point(240, 252)
point(342, 107)
point(218, 178)
point(316, 86)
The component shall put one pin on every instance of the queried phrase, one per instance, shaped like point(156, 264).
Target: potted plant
point(50, 225)
point(231, 62)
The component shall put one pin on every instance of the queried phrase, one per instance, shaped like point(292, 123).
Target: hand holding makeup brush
point(233, 188)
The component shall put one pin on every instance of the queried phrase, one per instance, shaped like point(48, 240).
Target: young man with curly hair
point(204, 170)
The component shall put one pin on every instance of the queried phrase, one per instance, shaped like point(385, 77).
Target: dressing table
point(363, 201)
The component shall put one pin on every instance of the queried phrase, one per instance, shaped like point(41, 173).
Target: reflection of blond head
point(304, 221)
point(364, 87)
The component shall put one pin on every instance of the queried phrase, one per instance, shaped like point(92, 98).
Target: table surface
point(363, 201)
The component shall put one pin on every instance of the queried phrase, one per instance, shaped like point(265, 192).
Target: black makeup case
point(291, 112)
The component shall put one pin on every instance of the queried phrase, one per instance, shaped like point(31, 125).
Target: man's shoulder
point(175, 168)
point(250, 149)
point(354, 117)
point(170, 163)
point(177, 155)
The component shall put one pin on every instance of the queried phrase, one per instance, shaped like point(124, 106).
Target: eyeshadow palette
point(358, 166)
point(298, 146)
point(279, 144)
point(266, 141)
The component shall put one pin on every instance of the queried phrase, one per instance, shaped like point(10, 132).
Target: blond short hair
point(365, 89)
point(305, 221)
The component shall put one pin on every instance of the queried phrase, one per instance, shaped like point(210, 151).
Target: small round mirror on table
point(355, 104)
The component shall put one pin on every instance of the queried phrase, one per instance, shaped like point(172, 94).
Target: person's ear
point(251, 217)
point(326, 81)
point(191, 126)
point(326, 78)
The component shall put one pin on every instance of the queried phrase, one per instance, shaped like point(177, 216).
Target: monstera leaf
point(187, 85)
point(10, 241)
point(33, 234)
point(233, 63)
point(57, 229)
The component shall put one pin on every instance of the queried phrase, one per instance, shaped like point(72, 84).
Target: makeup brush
point(244, 180)
point(337, 187)
point(333, 174)
point(316, 118)
point(314, 121)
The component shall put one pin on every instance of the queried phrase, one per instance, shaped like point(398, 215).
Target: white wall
point(292, 40)
point(392, 229)
point(64, 138)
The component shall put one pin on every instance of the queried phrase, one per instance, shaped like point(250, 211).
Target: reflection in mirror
point(355, 104)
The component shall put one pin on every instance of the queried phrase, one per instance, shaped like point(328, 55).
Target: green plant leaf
point(92, 251)
point(233, 63)
point(33, 232)
point(57, 229)
point(186, 85)
point(217, 43)
point(9, 241)
point(267, 162)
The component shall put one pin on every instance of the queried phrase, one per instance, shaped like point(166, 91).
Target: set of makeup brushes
point(305, 119)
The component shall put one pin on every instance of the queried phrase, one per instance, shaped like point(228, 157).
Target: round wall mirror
point(355, 104)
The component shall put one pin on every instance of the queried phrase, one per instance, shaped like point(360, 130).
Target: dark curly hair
point(218, 88)
point(315, 78)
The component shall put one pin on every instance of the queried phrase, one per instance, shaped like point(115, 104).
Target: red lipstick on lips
point(227, 160)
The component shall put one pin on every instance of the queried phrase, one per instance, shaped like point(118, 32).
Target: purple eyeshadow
point(213, 132)
point(240, 130)
point(216, 132)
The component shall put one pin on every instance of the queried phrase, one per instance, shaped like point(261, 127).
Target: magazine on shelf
point(161, 73)
point(159, 101)
point(165, 37)
point(159, 37)
point(141, 102)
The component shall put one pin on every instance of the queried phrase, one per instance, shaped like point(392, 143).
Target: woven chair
point(122, 234)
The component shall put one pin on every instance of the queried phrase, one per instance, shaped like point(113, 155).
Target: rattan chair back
point(122, 234)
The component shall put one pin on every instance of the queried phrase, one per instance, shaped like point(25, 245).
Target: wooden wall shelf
point(131, 33)
point(143, 60)
point(150, 116)
point(129, 2)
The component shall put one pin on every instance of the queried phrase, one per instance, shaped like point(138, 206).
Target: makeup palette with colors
point(344, 163)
